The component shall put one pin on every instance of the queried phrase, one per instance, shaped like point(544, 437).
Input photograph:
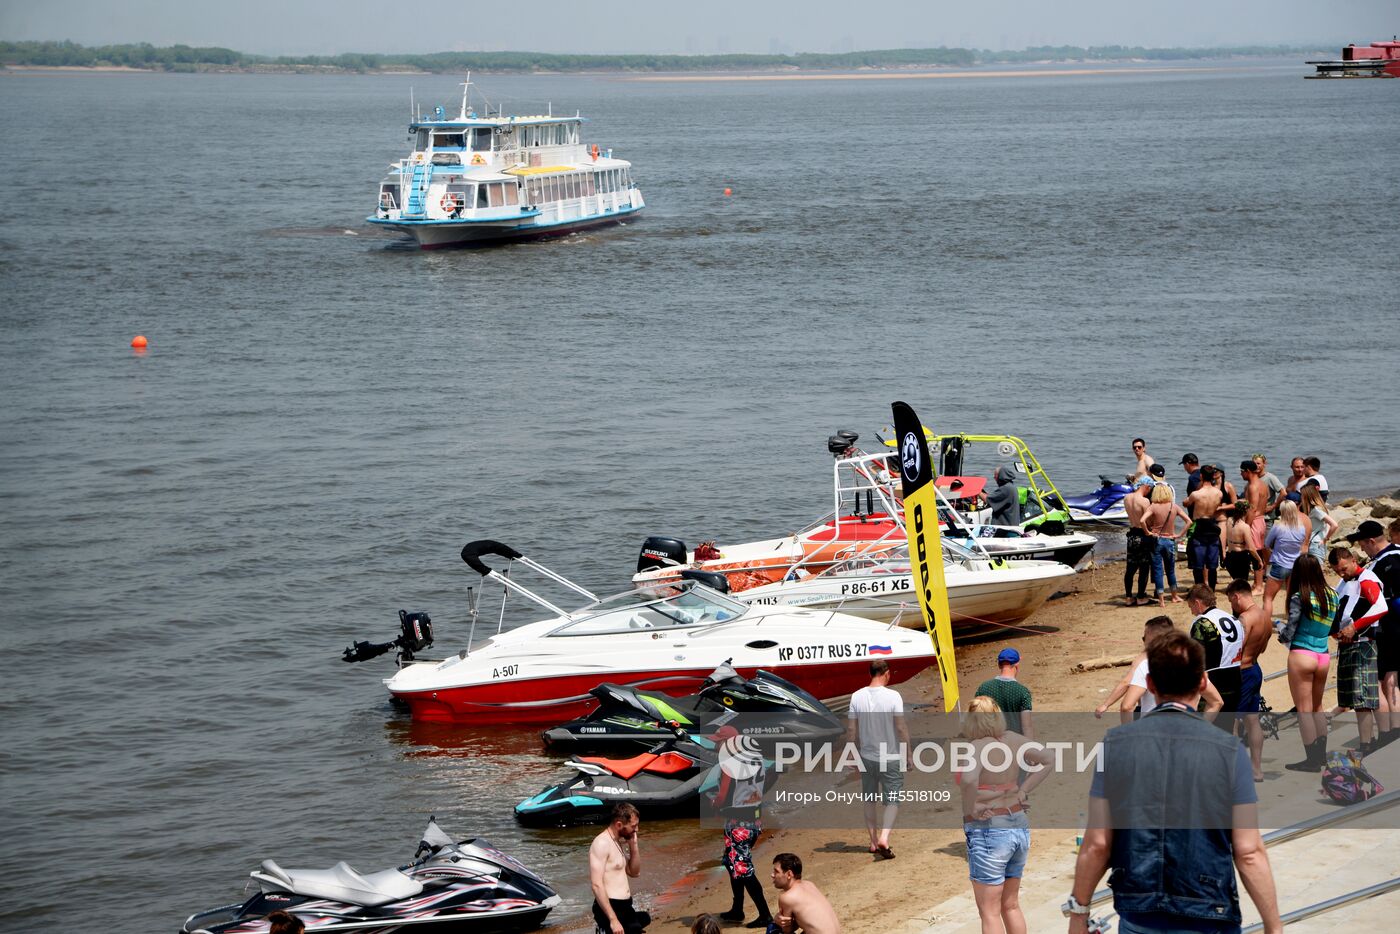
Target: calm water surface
point(190, 536)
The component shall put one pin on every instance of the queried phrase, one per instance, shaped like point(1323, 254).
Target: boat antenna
point(466, 89)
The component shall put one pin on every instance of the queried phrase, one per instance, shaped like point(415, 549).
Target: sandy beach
point(930, 866)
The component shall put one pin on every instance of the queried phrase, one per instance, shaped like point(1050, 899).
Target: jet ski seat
point(341, 883)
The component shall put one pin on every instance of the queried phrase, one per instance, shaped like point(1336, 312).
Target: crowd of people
point(1190, 703)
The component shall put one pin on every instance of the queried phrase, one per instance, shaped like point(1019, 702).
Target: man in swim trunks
point(613, 858)
point(801, 905)
point(1256, 494)
point(1385, 564)
point(1275, 485)
point(1258, 630)
point(1360, 607)
point(1203, 544)
point(1140, 544)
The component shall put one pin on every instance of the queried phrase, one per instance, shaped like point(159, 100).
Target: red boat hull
point(550, 701)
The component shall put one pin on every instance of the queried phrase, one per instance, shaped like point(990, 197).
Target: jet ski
point(668, 780)
point(1102, 505)
point(767, 707)
point(466, 886)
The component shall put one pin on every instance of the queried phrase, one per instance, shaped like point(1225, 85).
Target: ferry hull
point(454, 234)
point(553, 700)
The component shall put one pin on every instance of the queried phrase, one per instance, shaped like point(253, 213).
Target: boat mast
point(466, 88)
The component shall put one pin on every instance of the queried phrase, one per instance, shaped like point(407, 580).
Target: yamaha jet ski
point(668, 780)
point(766, 707)
point(1102, 505)
point(467, 886)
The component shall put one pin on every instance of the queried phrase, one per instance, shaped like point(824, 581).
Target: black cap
point(1189, 459)
point(1157, 470)
point(1368, 529)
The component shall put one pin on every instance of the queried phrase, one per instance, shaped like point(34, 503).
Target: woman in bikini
point(994, 815)
point(1241, 557)
point(1160, 523)
point(1311, 607)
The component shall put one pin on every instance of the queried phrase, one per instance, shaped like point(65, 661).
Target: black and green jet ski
point(767, 707)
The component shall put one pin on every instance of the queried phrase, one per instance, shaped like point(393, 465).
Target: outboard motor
point(710, 579)
point(661, 552)
point(840, 444)
point(415, 635)
point(950, 455)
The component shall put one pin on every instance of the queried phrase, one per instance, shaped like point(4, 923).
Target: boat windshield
point(663, 606)
point(895, 560)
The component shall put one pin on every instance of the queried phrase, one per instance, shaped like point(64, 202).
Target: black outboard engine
point(415, 635)
point(950, 456)
point(840, 444)
point(660, 552)
point(710, 579)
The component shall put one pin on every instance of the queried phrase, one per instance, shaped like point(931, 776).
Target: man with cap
point(1192, 463)
point(1385, 564)
point(1159, 477)
point(1013, 697)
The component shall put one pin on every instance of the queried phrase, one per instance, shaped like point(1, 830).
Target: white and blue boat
point(483, 178)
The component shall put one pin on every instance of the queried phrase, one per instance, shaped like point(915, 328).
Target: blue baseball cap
point(1008, 657)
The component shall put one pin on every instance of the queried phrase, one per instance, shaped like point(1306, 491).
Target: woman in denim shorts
point(994, 814)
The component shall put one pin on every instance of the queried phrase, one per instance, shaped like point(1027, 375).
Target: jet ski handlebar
point(472, 552)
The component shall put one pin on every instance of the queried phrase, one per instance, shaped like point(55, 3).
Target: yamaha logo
point(911, 456)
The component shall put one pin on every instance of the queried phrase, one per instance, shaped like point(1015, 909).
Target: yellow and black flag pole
point(925, 544)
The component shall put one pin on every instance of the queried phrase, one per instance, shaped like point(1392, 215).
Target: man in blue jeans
point(1172, 814)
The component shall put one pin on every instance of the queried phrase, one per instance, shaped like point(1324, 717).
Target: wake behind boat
point(666, 637)
point(483, 177)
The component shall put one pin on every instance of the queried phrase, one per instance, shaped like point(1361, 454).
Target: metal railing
point(1331, 904)
point(1304, 827)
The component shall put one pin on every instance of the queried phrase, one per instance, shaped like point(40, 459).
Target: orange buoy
point(728, 192)
point(139, 342)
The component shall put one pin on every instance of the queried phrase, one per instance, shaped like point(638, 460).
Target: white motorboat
point(488, 177)
point(666, 637)
point(984, 593)
point(868, 513)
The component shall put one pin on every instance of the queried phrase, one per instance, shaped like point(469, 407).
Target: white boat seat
point(343, 883)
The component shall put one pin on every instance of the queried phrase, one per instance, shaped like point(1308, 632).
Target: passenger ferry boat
point(479, 178)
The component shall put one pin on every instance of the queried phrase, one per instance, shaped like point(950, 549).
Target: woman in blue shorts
point(1286, 541)
point(994, 813)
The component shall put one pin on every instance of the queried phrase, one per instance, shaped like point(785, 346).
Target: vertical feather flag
point(925, 544)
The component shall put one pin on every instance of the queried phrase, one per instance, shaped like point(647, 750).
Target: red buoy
point(139, 342)
point(728, 192)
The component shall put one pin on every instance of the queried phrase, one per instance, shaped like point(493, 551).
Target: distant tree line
point(190, 58)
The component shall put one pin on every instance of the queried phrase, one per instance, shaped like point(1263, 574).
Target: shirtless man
point(1140, 544)
point(1203, 546)
point(1144, 460)
point(1256, 494)
point(801, 905)
point(614, 858)
point(1257, 632)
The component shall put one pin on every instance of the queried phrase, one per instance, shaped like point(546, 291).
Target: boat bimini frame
point(472, 553)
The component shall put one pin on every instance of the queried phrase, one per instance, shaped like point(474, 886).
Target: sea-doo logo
point(911, 454)
point(740, 756)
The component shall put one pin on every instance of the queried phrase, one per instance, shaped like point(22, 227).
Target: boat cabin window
point(497, 194)
point(663, 607)
point(481, 139)
point(443, 139)
point(420, 141)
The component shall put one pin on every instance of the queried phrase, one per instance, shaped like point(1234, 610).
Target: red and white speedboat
point(664, 637)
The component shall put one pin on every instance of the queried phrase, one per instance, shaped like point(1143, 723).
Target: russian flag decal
point(881, 650)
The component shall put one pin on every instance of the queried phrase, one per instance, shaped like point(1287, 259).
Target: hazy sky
point(286, 27)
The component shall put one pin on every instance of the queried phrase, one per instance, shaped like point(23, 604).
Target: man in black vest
point(1172, 813)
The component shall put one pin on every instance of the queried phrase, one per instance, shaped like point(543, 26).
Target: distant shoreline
point(782, 73)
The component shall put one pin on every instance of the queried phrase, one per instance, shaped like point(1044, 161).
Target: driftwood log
point(1094, 664)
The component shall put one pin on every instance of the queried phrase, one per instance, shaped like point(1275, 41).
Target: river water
point(1205, 256)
